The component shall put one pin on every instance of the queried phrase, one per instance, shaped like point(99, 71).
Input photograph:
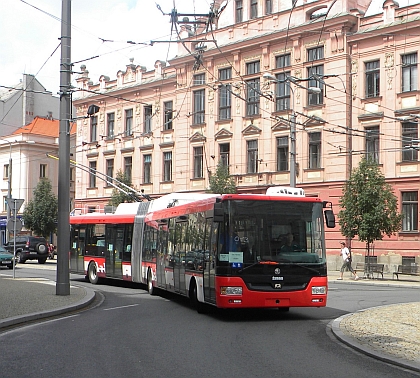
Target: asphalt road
point(131, 334)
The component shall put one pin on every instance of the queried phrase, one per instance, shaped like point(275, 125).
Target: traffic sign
point(14, 203)
point(14, 225)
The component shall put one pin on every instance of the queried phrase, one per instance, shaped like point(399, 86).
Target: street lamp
point(288, 80)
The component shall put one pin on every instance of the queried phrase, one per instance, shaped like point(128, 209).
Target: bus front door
point(77, 248)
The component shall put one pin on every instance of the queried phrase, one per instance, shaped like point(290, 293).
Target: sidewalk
point(389, 333)
point(26, 299)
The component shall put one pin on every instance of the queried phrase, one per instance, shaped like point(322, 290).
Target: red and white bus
point(229, 250)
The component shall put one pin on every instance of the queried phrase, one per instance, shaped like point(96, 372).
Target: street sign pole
point(14, 204)
point(14, 237)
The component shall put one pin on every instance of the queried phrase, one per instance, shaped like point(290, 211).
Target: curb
point(334, 326)
point(82, 303)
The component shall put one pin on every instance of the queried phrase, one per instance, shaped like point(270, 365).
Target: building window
point(252, 156)
point(253, 9)
point(109, 171)
point(238, 11)
point(93, 128)
point(410, 211)
point(128, 167)
point(409, 72)
point(6, 172)
point(253, 68)
point(4, 204)
point(199, 79)
point(409, 141)
point(147, 169)
point(147, 119)
point(316, 53)
point(128, 122)
point(92, 174)
point(110, 119)
point(225, 94)
point(372, 143)
point(314, 150)
point(372, 79)
point(252, 97)
point(224, 150)
point(167, 166)
point(168, 115)
point(282, 153)
point(43, 170)
point(268, 6)
point(199, 106)
point(71, 174)
point(282, 91)
point(198, 162)
point(313, 97)
point(283, 61)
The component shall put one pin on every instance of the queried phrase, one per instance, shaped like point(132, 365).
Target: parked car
point(6, 258)
point(29, 248)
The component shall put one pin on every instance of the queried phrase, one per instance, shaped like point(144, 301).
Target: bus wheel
point(93, 273)
point(199, 306)
point(150, 288)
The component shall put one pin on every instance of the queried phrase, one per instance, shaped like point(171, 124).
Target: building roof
point(44, 126)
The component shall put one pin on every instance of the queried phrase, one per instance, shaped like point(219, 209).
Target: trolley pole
point(63, 226)
point(293, 149)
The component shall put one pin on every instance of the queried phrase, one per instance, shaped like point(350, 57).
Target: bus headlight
point(320, 290)
point(231, 290)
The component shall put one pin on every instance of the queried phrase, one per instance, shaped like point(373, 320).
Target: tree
point(40, 214)
point(221, 182)
point(118, 196)
point(368, 205)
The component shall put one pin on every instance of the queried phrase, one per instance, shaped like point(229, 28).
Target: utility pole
point(9, 189)
point(63, 227)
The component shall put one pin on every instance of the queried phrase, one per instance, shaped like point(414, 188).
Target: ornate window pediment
point(197, 137)
point(222, 134)
point(251, 130)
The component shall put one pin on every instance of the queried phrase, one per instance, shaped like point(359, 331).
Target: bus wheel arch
point(93, 273)
point(193, 294)
point(150, 288)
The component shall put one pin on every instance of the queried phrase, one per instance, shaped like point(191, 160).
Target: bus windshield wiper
point(259, 262)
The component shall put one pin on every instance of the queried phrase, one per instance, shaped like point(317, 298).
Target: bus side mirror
point(218, 214)
point(329, 218)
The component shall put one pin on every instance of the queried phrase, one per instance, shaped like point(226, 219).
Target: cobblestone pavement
point(389, 333)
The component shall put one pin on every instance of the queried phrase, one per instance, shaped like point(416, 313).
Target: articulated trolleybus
point(228, 250)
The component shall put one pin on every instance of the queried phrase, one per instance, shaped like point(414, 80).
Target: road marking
point(117, 308)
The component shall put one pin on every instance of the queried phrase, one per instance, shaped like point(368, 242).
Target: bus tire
point(199, 306)
point(93, 273)
point(150, 288)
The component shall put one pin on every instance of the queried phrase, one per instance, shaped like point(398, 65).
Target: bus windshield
point(277, 231)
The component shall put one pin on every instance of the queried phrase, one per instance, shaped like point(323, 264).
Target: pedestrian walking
point(346, 255)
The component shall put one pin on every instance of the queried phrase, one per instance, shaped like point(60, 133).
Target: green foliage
point(368, 205)
point(119, 196)
point(40, 214)
point(221, 182)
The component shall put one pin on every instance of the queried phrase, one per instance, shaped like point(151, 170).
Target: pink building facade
point(324, 82)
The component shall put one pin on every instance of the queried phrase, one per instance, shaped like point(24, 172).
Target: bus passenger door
point(114, 250)
point(177, 263)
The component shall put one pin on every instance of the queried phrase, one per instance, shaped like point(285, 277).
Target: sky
point(30, 32)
